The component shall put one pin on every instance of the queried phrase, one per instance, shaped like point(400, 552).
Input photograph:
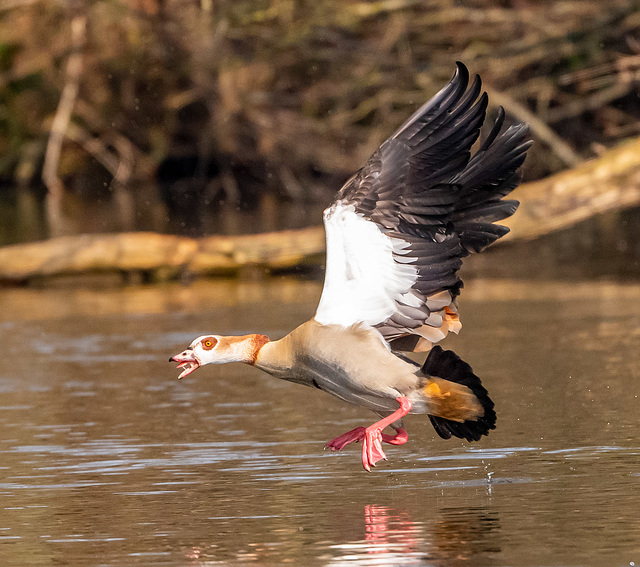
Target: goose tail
point(457, 403)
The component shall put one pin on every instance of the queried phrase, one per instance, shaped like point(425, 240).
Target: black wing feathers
point(490, 175)
point(431, 110)
point(423, 186)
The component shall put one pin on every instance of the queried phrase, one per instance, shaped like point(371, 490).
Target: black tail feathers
point(447, 365)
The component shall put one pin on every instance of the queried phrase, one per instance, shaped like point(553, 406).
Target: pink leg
point(372, 436)
point(400, 438)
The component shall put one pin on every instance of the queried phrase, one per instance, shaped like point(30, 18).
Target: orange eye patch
point(209, 343)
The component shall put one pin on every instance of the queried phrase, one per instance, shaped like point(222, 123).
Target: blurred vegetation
point(292, 96)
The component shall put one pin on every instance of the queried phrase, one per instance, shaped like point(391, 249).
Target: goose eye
point(209, 343)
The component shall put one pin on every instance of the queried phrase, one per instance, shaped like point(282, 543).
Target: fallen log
point(609, 182)
point(162, 256)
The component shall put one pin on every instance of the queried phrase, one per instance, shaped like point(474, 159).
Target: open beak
point(187, 360)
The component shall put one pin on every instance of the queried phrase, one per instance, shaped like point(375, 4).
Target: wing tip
point(461, 73)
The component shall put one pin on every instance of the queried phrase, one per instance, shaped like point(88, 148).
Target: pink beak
point(188, 360)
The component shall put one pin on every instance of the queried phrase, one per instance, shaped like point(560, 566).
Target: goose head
point(218, 349)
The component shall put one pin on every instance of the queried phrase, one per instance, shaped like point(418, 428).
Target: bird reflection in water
point(446, 537)
point(461, 535)
point(454, 537)
point(391, 537)
point(387, 530)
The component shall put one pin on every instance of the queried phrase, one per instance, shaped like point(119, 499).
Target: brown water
point(106, 459)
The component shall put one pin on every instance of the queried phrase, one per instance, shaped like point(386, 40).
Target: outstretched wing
point(399, 228)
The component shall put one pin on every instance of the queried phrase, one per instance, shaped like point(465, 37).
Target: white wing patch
point(363, 280)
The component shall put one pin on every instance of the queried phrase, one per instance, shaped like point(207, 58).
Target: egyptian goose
point(396, 235)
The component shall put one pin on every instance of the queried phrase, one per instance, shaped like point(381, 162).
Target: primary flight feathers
point(399, 228)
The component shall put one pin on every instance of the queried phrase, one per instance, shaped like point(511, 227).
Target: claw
point(372, 451)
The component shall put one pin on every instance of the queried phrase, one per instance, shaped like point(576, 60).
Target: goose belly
point(357, 367)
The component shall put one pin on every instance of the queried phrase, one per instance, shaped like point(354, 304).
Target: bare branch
point(65, 107)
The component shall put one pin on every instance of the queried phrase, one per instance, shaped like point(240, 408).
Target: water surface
point(106, 459)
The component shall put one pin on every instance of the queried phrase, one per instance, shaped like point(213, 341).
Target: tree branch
point(65, 107)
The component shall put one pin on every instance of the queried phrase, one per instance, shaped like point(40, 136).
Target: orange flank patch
point(451, 315)
point(422, 338)
point(452, 319)
point(451, 401)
